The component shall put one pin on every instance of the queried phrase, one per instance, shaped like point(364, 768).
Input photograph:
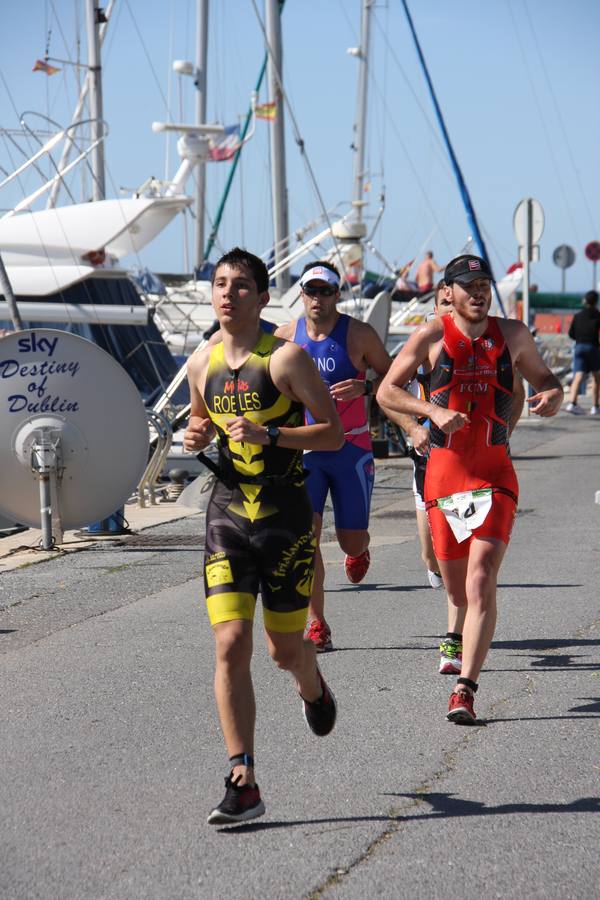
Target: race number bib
point(466, 511)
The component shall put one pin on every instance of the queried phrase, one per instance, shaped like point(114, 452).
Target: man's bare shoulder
point(512, 329)
point(429, 332)
point(361, 330)
point(198, 361)
point(286, 331)
point(285, 350)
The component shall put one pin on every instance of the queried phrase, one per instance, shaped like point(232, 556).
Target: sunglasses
point(316, 290)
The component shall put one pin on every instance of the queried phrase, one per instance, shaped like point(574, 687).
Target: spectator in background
point(585, 331)
point(425, 272)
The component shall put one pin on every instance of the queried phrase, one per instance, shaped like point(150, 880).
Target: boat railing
point(65, 134)
point(147, 488)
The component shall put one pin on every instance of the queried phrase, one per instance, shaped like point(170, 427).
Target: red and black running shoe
point(321, 714)
point(240, 804)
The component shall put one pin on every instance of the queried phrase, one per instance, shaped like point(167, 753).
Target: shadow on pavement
point(534, 585)
point(444, 806)
point(265, 826)
point(542, 643)
point(447, 806)
point(379, 586)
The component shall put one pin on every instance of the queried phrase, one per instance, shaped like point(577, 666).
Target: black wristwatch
point(273, 433)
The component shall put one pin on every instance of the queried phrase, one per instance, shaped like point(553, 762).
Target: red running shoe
point(460, 708)
point(320, 634)
point(357, 567)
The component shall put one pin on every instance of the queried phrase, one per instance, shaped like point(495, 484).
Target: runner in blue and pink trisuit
point(343, 349)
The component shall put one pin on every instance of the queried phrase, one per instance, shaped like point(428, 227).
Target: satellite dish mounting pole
point(200, 82)
point(44, 462)
point(7, 290)
point(94, 16)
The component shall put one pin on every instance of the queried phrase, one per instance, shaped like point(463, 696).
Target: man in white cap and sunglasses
point(343, 348)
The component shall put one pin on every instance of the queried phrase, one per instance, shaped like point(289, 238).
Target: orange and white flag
point(42, 66)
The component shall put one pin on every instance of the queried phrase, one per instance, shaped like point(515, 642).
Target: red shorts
point(498, 524)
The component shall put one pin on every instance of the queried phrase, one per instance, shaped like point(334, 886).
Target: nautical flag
point(42, 66)
point(225, 146)
point(266, 111)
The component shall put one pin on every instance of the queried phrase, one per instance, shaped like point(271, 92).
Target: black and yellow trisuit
point(259, 533)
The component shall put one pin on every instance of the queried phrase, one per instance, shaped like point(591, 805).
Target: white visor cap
point(320, 273)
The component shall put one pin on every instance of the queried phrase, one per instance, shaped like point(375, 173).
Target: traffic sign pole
point(526, 288)
point(528, 221)
point(592, 251)
point(563, 257)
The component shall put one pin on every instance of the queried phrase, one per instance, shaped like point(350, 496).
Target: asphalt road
point(112, 756)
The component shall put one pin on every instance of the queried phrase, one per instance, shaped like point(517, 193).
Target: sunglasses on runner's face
point(313, 290)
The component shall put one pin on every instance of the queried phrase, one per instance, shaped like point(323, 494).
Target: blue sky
point(517, 80)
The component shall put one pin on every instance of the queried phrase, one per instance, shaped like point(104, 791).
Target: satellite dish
point(73, 431)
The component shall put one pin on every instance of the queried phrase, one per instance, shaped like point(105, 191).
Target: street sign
point(528, 207)
point(528, 222)
point(563, 256)
point(592, 251)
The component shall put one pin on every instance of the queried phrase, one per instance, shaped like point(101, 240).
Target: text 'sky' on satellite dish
point(70, 415)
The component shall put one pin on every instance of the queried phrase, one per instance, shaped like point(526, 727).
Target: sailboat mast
point(95, 98)
point(200, 82)
point(360, 127)
point(68, 147)
point(278, 173)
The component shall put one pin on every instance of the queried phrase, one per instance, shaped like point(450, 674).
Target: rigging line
point(429, 123)
point(147, 54)
point(494, 245)
point(462, 186)
point(10, 96)
point(414, 171)
point(349, 22)
point(299, 141)
point(560, 120)
point(507, 251)
point(27, 154)
point(236, 159)
point(52, 165)
point(113, 31)
point(69, 69)
point(18, 115)
point(385, 89)
point(543, 124)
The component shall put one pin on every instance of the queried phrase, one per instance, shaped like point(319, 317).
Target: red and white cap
point(320, 273)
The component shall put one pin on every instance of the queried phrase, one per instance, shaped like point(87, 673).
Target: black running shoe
point(321, 714)
point(238, 805)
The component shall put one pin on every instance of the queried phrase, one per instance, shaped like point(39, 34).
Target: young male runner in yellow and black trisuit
point(250, 391)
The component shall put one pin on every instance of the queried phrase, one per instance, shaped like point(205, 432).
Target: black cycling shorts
point(259, 538)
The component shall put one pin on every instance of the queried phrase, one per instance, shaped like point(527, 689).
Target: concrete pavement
point(112, 753)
